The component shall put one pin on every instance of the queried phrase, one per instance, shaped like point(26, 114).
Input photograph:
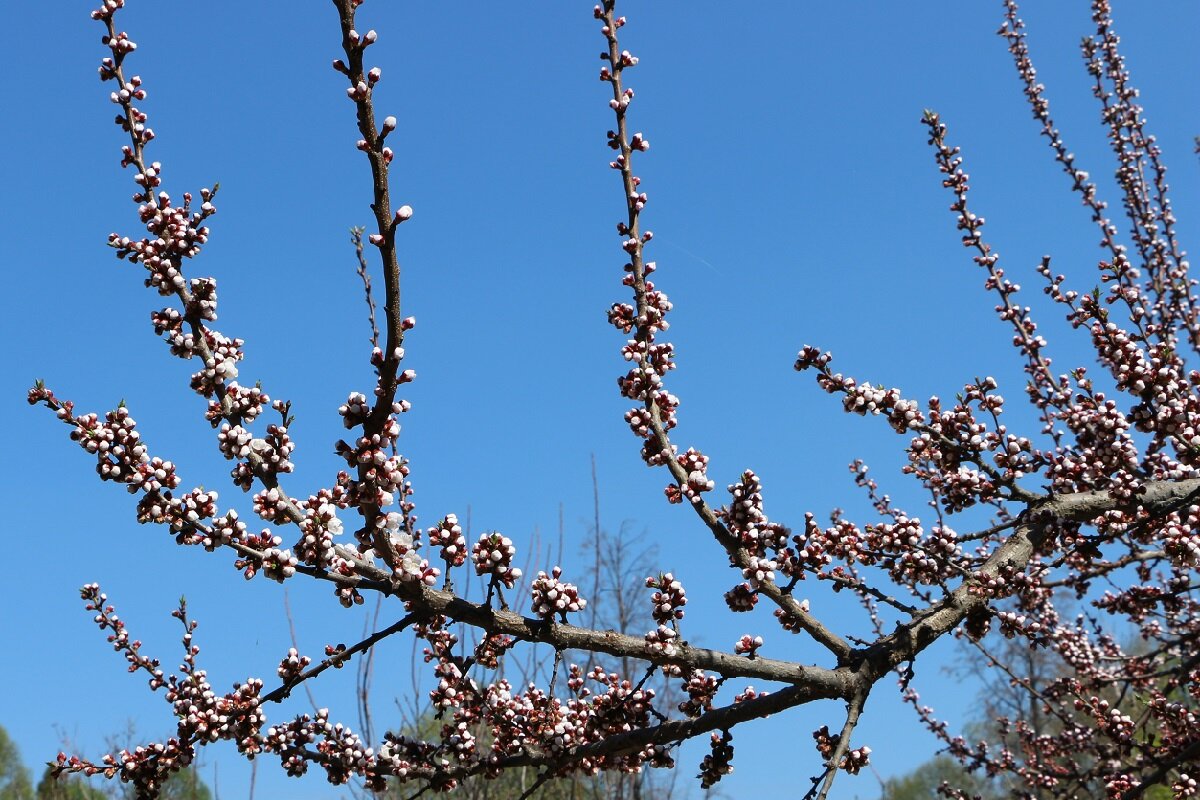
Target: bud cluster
point(555, 598)
point(493, 555)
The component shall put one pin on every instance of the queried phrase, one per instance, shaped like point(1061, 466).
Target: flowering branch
point(1119, 502)
point(653, 359)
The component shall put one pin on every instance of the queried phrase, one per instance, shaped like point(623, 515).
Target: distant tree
point(14, 777)
point(512, 783)
point(185, 785)
point(15, 782)
point(618, 561)
point(923, 782)
point(57, 786)
point(1017, 711)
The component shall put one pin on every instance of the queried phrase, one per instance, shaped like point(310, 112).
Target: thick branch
point(1030, 536)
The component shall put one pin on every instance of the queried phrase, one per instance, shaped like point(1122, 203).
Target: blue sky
point(793, 198)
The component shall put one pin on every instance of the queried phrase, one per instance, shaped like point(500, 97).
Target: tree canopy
point(1087, 498)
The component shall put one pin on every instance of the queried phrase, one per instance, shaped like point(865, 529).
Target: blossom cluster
point(493, 555)
point(553, 597)
point(719, 761)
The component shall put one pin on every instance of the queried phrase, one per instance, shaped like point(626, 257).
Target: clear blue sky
point(793, 199)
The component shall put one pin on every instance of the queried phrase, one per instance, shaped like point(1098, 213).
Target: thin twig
point(356, 235)
point(287, 610)
point(338, 658)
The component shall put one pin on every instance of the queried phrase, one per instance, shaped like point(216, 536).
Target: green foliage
point(14, 778)
point(185, 785)
point(511, 783)
point(15, 782)
point(66, 787)
point(922, 782)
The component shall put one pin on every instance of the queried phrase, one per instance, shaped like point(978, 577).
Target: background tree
point(15, 784)
point(14, 778)
point(186, 785)
point(1103, 495)
point(924, 781)
point(1015, 682)
point(616, 561)
point(54, 786)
